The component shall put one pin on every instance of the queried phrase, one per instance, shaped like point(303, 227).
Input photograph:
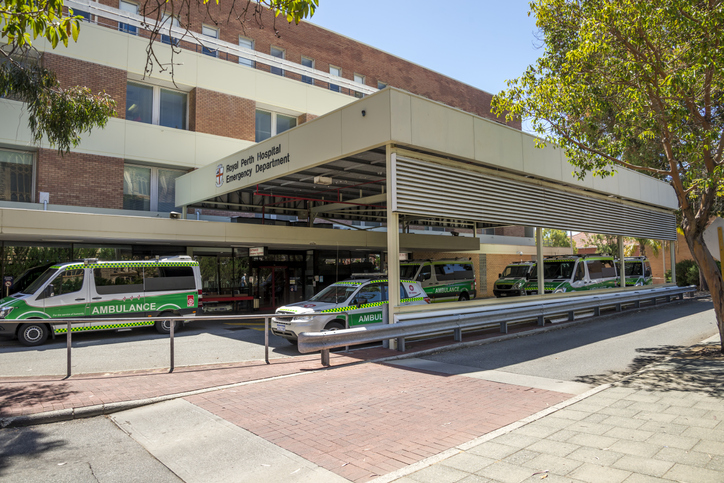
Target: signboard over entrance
point(257, 251)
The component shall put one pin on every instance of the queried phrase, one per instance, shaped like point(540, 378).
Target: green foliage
point(687, 273)
point(605, 244)
point(24, 21)
point(60, 115)
point(294, 10)
point(556, 238)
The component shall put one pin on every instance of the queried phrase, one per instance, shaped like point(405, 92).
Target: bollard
point(172, 326)
point(325, 357)
point(69, 342)
point(266, 339)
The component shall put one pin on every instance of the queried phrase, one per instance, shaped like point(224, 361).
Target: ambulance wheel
point(164, 326)
point(463, 297)
point(32, 334)
point(334, 326)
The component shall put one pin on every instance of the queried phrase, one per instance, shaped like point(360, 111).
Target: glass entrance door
point(273, 287)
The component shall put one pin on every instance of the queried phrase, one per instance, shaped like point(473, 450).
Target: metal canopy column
point(539, 259)
point(393, 242)
point(621, 261)
point(672, 254)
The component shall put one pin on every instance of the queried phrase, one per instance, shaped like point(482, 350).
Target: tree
point(556, 238)
point(62, 114)
point(635, 84)
point(605, 244)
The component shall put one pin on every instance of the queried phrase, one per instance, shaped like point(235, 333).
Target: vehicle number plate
point(280, 327)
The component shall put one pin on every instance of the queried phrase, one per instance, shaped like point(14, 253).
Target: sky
point(482, 43)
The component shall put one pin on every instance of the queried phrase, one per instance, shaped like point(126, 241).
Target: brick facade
point(327, 49)
point(98, 78)
point(222, 114)
point(79, 179)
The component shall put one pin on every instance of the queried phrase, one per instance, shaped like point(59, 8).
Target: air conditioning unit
point(323, 180)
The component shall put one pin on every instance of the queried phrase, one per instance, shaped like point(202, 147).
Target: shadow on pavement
point(31, 395)
point(23, 442)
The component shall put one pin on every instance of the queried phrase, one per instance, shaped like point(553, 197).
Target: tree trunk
point(712, 275)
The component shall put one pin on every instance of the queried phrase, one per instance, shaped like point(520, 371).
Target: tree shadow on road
point(23, 443)
point(692, 369)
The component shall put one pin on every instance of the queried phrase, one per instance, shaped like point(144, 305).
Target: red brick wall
point(78, 179)
point(328, 48)
point(98, 78)
point(223, 114)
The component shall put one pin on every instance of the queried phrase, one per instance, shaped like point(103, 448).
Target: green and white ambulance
point(442, 280)
point(571, 273)
point(638, 271)
point(362, 299)
point(96, 289)
point(511, 282)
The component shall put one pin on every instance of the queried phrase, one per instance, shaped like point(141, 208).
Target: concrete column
point(539, 259)
point(184, 212)
point(663, 258)
point(393, 242)
point(672, 254)
point(622, 263)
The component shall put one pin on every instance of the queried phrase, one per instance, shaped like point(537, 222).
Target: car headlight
point(301, 319)
point(560, 290)
point(5, 312)
point(517, 285)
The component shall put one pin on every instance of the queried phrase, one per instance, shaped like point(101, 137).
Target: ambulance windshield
point(40, 281)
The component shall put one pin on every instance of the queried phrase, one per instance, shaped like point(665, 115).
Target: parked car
point(511, 282)
point(442, 280)
point(363, 299)
point(638, 271)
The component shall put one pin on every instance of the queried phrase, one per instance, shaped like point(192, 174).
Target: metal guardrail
point(434, 322)
point(69, 323)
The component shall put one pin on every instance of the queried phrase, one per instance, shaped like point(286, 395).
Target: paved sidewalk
point(662, 424)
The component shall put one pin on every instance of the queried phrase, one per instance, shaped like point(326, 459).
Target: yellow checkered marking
point(75, 266)
point(64, 330)
point(366, 306)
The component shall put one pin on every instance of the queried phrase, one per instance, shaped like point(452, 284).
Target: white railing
point(138, 21)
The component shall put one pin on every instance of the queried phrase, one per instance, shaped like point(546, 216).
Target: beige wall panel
point(361, 132)
point(652, 191)
point(321, 101)
point(498, 145)
point(277, 91)
point(609, 185)
point(567, 176)
point(14, 124)
point(158, 144)
point(400, 115)
point(441, 128)
point(108, 141)
point(223, 76)
point(317, 142)
point(546, 162)
point(96, 44)
point(210, 148)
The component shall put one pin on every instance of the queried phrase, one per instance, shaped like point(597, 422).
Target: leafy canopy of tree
point(556, 238)
point(636, 84)
point(61, 115)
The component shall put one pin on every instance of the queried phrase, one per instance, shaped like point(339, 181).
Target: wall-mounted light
point(364, 113)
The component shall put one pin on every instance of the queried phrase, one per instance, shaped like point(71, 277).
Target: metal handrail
point(431, 321)
point(69, 322)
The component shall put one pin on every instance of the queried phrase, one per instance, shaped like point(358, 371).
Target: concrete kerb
point(103, 409)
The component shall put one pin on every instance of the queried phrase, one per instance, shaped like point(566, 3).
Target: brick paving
point(367, 420)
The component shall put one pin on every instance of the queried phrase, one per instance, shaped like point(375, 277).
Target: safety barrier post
point(172, 325)
point(69, 342)
point(325, 357)
point(266, 339)
point(346, 326)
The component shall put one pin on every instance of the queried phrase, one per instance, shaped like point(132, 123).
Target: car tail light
point(200, 297)
point(426, 299)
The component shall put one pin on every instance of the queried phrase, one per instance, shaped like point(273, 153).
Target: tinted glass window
point(159, 279)
point(67, 282)
point(408, 271)
point(40, 281)
point(369, 294)
point(634, 269)
point(595, 269)
point(517, 271)
point(118, 280)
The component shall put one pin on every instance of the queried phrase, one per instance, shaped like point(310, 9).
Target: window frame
point(124, 27)
point(243, 60)
point(334, 87)
point(307, 79)
point(273, 123)
point(153, 190)
point(33, 173)
point(156, 104)
point(277, 70)
point(381, 85)
point(359, 79)
point(205, 50)
point(168, 39)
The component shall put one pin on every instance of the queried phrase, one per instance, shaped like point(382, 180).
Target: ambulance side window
point(67, 282)
point(425, 273)
point(370, 294)
point(114, 280)
point(158, 279)
point(595, 269)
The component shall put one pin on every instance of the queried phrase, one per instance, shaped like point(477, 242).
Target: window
point(360, 79)
point(118, 280)
point(247, 44)
point(150, 189)
point(16, 176)
point(278, 53)
point(160, 279)
point(214, 34)
point(169, 21)
point(336, 72)
point(270, 124)
point(81, 13)
point(131, 8)
point(155, 105)
point(68, 282)
point(307, 62)
point(381, 85)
